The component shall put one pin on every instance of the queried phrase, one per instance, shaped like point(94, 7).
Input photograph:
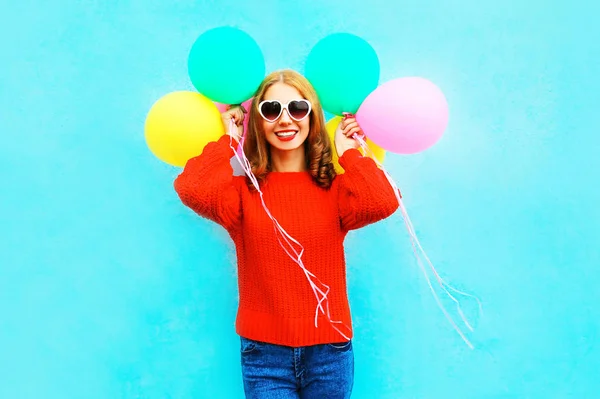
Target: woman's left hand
point(343, 135)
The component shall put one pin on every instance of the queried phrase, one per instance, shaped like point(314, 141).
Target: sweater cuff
point(226, 139)
point(349, 158)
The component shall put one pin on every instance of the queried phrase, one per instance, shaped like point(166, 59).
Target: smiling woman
point(286, 130)
point(110, 288)
point(296, 334)
point(285, 127)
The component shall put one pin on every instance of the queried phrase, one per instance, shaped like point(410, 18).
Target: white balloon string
point(287, 242)
point(417, 248)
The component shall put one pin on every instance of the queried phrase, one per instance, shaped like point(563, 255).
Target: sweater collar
point(289, 177)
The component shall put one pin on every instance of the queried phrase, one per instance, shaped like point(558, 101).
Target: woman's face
point(285, 133)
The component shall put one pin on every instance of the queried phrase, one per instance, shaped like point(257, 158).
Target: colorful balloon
point(180, 124)
point(343, 69)
point(405, 115)
point(226, 65)
point(376, 150)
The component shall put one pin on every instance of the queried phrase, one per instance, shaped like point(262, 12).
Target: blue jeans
point(277, 372)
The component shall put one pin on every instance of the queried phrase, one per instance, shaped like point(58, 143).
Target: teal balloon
point(344, 69)
point(226, 65)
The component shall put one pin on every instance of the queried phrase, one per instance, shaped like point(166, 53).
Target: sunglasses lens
point(298, 109)
point(270, 110)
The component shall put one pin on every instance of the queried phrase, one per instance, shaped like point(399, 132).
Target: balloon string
point(416, 245)
point(287, 242)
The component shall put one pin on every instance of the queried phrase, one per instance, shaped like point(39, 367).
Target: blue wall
point(110, 288)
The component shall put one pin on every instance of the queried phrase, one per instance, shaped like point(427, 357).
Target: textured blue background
point(110, 288)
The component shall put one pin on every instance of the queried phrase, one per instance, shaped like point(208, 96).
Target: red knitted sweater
point(276, 302)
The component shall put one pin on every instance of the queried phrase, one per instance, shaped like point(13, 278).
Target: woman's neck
point(288, 161)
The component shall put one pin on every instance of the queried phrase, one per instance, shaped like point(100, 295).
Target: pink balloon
point(221, 107)
point(405, 115)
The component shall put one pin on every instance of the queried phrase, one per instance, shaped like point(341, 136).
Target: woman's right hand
point(237, 113)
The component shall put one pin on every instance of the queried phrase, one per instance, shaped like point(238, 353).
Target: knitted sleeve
point(365, 195)
point(207, 185)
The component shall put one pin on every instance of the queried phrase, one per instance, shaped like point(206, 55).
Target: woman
point(286, 351)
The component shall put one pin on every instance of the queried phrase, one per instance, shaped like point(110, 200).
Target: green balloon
point(226, 65)
point(344, 70)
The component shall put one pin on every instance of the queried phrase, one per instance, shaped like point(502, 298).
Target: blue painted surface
point(110, 288)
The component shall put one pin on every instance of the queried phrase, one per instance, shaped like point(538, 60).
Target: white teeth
point(285, 134)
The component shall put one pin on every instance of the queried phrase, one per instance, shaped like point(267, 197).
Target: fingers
point(351, 132)
point(351, 127)
point(348, 122)
point(239, 116)
point(237, 113)
point(236, 106)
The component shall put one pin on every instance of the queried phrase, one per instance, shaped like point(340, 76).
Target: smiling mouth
point(286, 134)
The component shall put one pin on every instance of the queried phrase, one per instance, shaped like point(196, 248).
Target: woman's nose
point(285, 118)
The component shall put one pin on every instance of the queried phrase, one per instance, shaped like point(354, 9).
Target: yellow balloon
point(375, 149)
point(180, 124)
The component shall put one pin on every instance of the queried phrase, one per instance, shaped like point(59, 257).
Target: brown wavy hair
point(317, 146)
